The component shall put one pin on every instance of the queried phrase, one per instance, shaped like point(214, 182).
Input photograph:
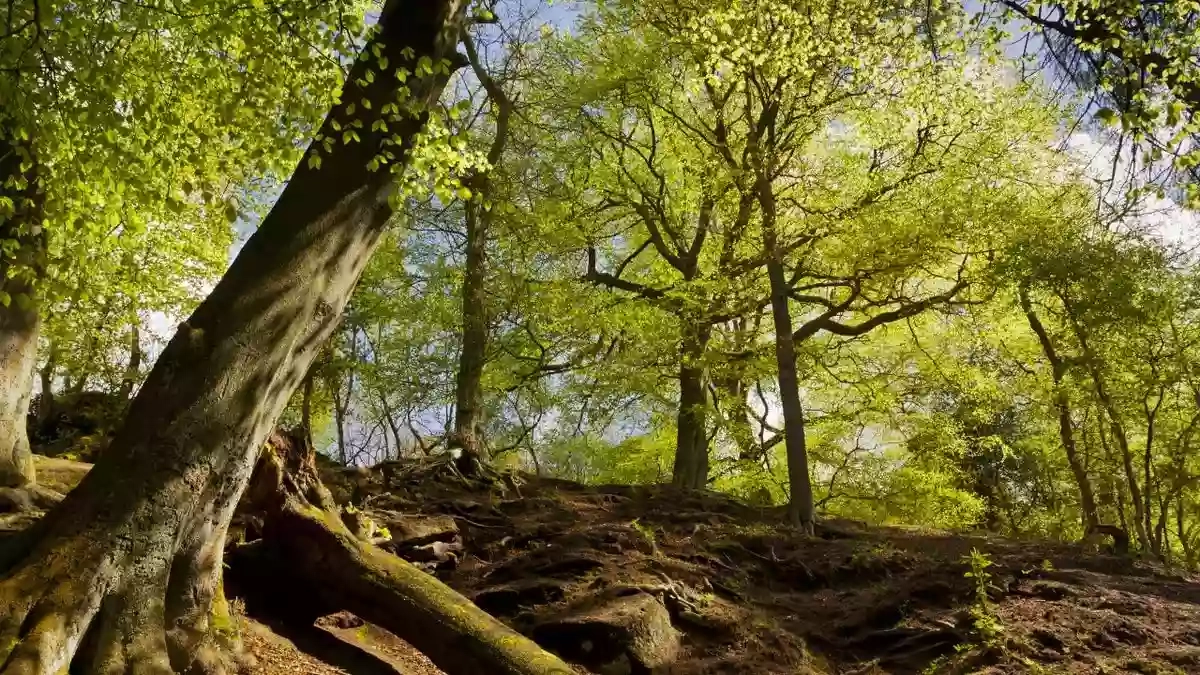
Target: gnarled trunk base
point(112, 601)
point(303, 531)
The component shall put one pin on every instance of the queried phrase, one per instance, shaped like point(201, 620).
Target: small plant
point(646, 533)
point(986, 625)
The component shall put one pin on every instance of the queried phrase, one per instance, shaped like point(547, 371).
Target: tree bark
point(45, 407)
point(1062, 404)
point(134, 367)
point(690, 469)
point(304, 531)
point(19, 271)
point(468, 411)
point(801, 510)
point(800, 502)
point(306, 398)
point(124, 575)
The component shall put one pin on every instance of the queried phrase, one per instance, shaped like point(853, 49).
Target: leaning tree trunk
point(303, 532)
point(690, 469)
point(124, 576)
point(20, 221)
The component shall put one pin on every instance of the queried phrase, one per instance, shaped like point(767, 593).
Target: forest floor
point(621, 579)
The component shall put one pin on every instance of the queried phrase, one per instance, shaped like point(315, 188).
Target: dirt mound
point(586, 570)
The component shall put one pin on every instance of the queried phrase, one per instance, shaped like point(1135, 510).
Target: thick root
point(29, 497)
point(307, 537)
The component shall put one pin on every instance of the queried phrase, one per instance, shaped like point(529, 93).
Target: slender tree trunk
point(134, 367)
point(19, 272)
point(129, 565)
point(1131, 480)
point(1062, 404)
point(800, 502)
point(690, 469)
point(45, 408)
point(306, 398)
point(79, 383)
point(468, 411)
point(391, 421)
point(1147, 466)
point(801, 510)
point(1181, 532)
point(737, 416)
point(339, 421)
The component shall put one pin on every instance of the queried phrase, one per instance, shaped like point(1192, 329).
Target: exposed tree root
point(304, 534)
point(28, 497)
point(472, 474)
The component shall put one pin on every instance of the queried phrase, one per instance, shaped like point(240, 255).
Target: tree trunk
point(124, 576)
point(339, 421)
point(468, 411)
point(45, 406)
point(18, 363)
point(1131, 480)
point(19, 270)
point(306, 398)
point(303, 530)
point(1148, 480)
point(1062, 404)
point(134, 367)
point(1181, 532)
point(690, 469)
point(800, 502)
point(79, 383)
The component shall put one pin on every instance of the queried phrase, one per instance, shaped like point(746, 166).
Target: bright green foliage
point(1141, 56)
point(148, 119)
point(144, 124)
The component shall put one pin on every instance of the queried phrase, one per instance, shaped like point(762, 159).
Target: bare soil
point(748, 595)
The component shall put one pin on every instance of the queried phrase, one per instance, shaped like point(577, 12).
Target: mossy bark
point(122, 577)
point(302, 527)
